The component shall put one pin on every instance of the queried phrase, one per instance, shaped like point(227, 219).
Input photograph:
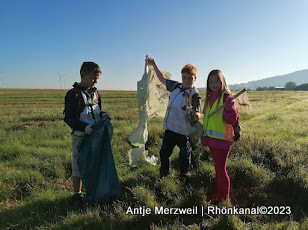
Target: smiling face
point(89, 80)
point(188, 80)
point(214, 83)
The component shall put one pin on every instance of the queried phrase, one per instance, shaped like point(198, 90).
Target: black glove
point(237, 136)
point(237, 132)
point(102, 113)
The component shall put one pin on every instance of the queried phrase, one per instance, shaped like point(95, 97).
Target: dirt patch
point(66, 184)
point(7, 204)
point(27, 125)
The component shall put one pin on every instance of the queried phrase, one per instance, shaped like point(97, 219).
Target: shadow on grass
point(287, 192)
point(57, 214)
point(35, 213)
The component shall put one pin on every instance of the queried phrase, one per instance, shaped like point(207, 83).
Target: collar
point(78, 86)
point(214, 94)
point(185, 88)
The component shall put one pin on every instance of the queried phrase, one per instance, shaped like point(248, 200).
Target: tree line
point(288, 86)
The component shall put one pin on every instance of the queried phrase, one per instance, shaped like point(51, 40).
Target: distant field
point(267, 167)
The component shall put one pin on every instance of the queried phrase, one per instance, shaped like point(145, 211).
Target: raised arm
point(159, 74)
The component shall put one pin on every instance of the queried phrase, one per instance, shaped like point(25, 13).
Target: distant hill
point(299, 77)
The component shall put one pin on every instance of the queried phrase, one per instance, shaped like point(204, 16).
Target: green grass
point(268, 166)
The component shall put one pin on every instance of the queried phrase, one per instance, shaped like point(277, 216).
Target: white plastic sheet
point(152, 102)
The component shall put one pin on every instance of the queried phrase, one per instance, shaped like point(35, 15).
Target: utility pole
point(1, 78)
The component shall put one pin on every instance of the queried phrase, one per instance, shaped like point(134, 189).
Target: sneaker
point(77, 200)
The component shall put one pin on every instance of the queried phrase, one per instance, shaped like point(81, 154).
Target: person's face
point(188, 80)
point(214, 83)
point(89, 81)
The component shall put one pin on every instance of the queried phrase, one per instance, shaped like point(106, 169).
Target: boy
point(82, 109)
point(174, 122)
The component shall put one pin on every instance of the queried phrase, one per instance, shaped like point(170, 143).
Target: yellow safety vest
point(215, 126)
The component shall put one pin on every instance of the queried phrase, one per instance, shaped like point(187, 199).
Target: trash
point(194, 129)
point(96, 164)
point(152, 102)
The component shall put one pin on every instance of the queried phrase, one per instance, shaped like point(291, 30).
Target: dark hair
point(190, 69)
point(90, 68)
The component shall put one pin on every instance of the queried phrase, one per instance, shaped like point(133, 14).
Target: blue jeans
point(170, 140)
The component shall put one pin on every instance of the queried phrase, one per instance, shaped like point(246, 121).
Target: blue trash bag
point(96, 164)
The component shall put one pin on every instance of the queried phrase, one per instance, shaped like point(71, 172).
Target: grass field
point(267, 167)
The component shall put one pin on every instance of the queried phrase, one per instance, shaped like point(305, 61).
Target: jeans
point(170, 140)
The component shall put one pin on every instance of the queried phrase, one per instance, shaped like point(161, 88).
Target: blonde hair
point(224, 86)
point(190, 69)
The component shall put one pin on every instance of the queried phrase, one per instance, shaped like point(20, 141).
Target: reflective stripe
point(78, 133)
point(76, 137)
point(214, 133)
point(215, 126)
point(229, 131)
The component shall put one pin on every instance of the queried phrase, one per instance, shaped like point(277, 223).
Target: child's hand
point(237, 136)
point(88, 129)
point(104, 114)
point(237, 132)
point(150, 61)
point(229, 104)
point(198, 115)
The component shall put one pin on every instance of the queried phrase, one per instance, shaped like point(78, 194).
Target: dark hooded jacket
point(71, 113)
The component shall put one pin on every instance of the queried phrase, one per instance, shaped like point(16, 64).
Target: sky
point(43, 41)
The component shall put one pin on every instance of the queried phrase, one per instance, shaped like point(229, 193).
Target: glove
point(237, 136)
point(102, 114)
point(237, 132)
point(88, 129)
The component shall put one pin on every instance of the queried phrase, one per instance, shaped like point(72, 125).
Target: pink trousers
point(220, 157)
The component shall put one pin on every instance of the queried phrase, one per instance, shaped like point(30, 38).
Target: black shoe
point(183, 173)
point(77, 200)
point(162, 175)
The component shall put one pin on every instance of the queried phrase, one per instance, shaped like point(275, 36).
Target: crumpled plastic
point(152, 102)
point(193, 126)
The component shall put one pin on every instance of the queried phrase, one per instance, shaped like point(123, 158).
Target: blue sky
point(247, 40)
